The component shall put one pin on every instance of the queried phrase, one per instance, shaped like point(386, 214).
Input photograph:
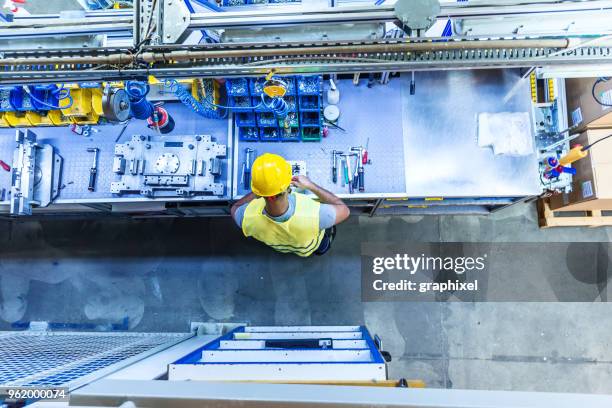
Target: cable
point(188, 100)
point(60, 93)
point(137, 92)
point(278, 106)
point(597, 82)
point(587, 147)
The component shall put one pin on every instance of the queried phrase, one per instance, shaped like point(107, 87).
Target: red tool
point(5, 166)
point(364, 156)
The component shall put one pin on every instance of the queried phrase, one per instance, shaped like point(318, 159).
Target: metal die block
point(36, 174)
point(165, 180)
point(119, 165)
point(178, 166)
point(215, 167)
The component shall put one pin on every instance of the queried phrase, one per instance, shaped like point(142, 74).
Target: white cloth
point(508, 133)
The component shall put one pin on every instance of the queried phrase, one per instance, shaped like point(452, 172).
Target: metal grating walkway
point(69, 359)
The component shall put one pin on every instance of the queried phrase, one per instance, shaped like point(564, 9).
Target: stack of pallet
point(590, 200)
point(549, 218)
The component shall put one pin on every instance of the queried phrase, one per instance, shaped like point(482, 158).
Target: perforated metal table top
point(412, 140)
point(77, 161)
point(371, 116)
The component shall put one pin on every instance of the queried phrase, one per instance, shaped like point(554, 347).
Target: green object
point(311, 133)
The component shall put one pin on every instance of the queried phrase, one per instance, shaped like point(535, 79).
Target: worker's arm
point(244, 200)
point(326, 197)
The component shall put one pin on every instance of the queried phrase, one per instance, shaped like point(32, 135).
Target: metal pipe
point(335, 50)
point(186, 55)
point(111, 59)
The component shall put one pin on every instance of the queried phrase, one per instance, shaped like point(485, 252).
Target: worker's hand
point(302, 182)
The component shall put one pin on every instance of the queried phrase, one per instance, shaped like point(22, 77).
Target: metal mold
point(35, 175)
point(178, 166)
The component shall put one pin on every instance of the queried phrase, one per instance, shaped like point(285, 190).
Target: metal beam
point(182, 394)
point(285, 16)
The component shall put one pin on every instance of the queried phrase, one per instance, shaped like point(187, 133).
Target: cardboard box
point(592, 184)
point(581, 106)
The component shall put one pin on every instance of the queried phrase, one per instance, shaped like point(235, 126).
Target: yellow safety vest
point(300, 234)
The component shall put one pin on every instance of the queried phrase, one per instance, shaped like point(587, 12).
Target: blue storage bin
point(310, 118)
point(310, 102)
point(290, 134)
point(292, 102)
point(256, 86)
point(266, 119)
point(291, 120)
point(246, 119)
point(237, 86)
point(310, 85)
point(291, 88)
point(230, 3)
point(269, 134)
point(240, 103)
point(248, 133)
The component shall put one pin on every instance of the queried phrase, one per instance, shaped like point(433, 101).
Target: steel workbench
point(423, 148)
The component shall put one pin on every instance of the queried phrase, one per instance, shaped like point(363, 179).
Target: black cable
point(585, 148)
point(597, 82)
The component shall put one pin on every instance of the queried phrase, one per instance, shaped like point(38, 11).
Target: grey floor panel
point(162, 274)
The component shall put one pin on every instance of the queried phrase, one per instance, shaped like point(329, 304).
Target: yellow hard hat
point(270, 175)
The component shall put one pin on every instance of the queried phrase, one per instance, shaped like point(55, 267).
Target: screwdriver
point(364, 156)
point(5, 166)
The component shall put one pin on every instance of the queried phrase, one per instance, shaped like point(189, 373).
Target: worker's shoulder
point(239, 213)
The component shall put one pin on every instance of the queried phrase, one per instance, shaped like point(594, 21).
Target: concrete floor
point(161, 274)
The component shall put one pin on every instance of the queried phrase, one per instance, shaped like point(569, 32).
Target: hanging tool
point(5, 166)
point(360, 171)
point(246, 169)
point(335, 154)
point(93, 172)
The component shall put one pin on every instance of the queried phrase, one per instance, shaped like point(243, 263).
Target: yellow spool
point(574, 155)
point(275, 90)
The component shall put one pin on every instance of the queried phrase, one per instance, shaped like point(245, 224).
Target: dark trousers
point(326, 242)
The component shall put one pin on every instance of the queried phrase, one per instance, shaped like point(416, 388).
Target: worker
point(288, 221)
